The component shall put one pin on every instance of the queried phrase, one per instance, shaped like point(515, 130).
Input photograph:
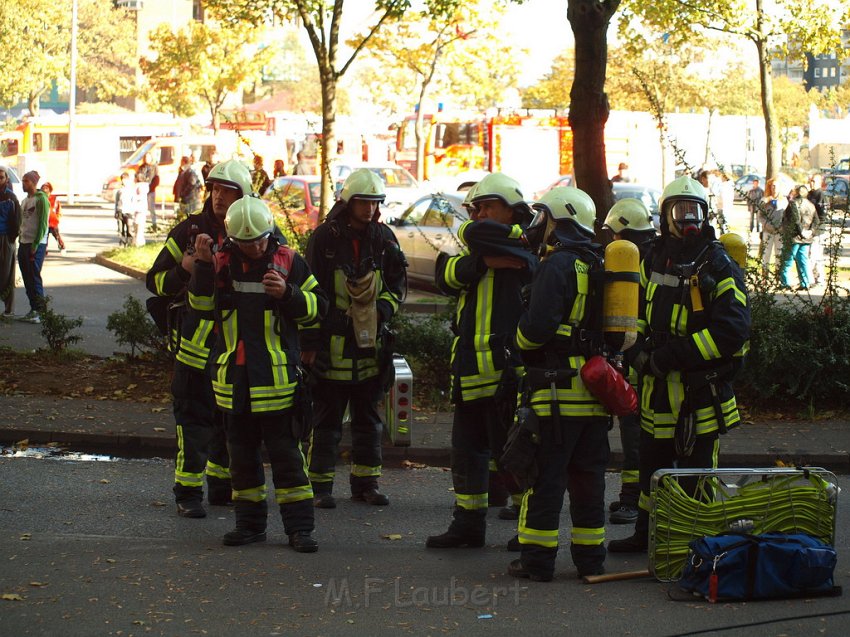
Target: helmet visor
point(685, 212)
point(535, 233)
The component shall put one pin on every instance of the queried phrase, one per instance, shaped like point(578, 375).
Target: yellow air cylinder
point(735, 246)
point(620, 296)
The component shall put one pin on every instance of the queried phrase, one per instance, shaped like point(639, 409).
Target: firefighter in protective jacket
point(556, 334)
point(630, 220)
point(358, 262)
point(259, 294)
point(487, 277)
point(693, 328)
point(201, 446)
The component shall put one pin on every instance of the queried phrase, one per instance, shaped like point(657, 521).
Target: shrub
point(56, 328)
point(426, 342)
point(132, 326)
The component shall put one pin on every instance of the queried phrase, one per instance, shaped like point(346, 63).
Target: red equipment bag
point(609, 386)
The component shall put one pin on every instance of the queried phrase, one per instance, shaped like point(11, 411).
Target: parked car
point(835, 193)
point(401, 187)
point(563, 180)
point(15, 182)
point(296, 198)
point(428, 228)
point(744, 184)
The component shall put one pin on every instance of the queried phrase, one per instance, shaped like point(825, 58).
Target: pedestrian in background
point(754, 196)
point(799, 227)
point(148, 173)
point(279, 169)
point(259, 176)
point(10, 223)
point(622, 173)
point(816, 250)
point(187, 189)
point(771, 211)
point(35, 212)
point(55, 214)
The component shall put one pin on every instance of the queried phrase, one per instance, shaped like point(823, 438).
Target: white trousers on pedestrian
point(772, 242)
point(139, 220)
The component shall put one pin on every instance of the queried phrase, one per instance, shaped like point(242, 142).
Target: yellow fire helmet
point(628, 214)
point(248, 218)
point(570, 204)
point(684, 206)
point(232, 174)
point(497, 186)
point(363, 184)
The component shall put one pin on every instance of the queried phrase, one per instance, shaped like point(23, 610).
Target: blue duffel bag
point(740, 567)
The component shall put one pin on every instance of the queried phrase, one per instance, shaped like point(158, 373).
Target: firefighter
point(259, 294)
point(693, 328)
point(487, 278)
point(201, 446)
point(556, 333)
point(358, 262)
point(630, 220)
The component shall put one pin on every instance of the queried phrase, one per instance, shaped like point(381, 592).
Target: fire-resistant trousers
point(329, 402)
point(630, 440)
point(573, 461)
point(246, 434)
point(479, 431)
point(201, 442)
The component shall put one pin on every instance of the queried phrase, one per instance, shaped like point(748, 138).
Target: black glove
point(660, 362)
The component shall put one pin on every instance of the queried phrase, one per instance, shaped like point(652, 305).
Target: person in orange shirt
point(54, 215)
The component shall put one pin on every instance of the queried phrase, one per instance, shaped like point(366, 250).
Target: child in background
point(55, 214)
point(124, 197)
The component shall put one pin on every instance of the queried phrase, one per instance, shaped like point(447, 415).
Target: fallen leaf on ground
point(12, 597)
point(392, 536)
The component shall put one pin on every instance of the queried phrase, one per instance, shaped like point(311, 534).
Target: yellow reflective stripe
point(516, 232)
point(679, 320)
point(630, 476)
point(365, 471)
point(201, 303)
point(471, 501)
point(310, 283)
point(588, 536)
point(312, 309)
point(257, 494)
point(491, 466)
point(277, 357)
point(729, 284)
point(641, 326)
point(564, 330)
point(449, 273)
point(539, 537)
point(181, 457)
point(189, 479)
point(525, 343)
point(173, 249)
point(570, 410)
point(462, 231)
point(217, 471)
point(336, 347)
point(159, 282)
point(644, 502)
point(483, 309)
point(341, 298)
point(706, 345)
point(293, 494)
point(321, 477)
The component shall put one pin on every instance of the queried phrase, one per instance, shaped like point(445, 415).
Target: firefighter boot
point(498, 493)
point(189, 501)
point(298, 523)
point(322, 498)
point(219, 492)
point(365, 489)
point(467, 530)
point(303, 542)
point(251, 519)
point(516, 569)
point(636, 543)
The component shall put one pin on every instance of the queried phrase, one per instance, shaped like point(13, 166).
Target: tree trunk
point(34, 102)
point(418, 128)
point(766, 78)
point(589, 107)
point(328, 147)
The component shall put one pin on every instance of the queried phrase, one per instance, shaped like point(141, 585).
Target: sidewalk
point(143, 430)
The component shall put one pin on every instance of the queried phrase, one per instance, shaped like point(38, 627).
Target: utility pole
point(72, 104)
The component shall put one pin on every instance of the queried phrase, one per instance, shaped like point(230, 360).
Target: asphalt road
point(95, 548)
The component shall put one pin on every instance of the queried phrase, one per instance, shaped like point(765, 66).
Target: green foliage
point(136, 257)
point(199, 66)
point(132, 326)
point(426, 342)
point(56, 328)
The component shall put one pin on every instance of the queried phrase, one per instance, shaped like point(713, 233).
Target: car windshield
point(315, 192)
point(136, 157)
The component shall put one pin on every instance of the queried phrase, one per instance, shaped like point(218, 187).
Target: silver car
point(14, 182)
point(426, 229)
